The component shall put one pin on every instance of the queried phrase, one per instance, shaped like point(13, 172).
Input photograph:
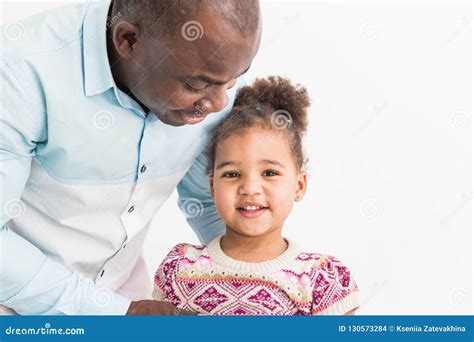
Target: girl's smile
point(251, 209)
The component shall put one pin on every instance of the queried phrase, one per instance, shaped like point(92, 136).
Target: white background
point(389, 144)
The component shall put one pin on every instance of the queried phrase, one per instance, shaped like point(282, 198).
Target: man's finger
point(183, 312)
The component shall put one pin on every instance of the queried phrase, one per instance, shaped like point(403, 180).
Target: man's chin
point(180, 119)
point(169, 120)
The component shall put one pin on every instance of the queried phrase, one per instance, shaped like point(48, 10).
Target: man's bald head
point(166, 18)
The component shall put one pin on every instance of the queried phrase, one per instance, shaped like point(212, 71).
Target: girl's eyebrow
point(221, 165)
point(273, 162)
point(262, 161)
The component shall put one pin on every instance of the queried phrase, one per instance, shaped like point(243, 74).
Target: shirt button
point(124, 246)
point(132, 208)
point(102, 273)
point(143, 169)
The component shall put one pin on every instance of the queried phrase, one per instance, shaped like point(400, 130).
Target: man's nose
point(219, 99)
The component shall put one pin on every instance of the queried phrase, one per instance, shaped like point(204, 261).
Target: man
point(106, 108)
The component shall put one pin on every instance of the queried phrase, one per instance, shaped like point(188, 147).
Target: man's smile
point(191, 118)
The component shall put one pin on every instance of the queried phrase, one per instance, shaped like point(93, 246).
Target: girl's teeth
point(251, 208)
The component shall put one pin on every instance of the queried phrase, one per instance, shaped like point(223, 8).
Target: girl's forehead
point(255, 143)
point(256, 136)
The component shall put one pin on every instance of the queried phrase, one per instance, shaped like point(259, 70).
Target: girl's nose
point(250, 186)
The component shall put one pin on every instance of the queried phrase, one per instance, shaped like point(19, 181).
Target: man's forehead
point(210, 39)
point(228, 60)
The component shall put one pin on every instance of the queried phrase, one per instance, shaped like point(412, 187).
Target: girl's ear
point(301, 184)
point(211, 185)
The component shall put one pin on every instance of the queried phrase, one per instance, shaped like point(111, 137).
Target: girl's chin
point(250, 232)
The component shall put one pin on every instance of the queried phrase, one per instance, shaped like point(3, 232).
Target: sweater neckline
point(280, 262)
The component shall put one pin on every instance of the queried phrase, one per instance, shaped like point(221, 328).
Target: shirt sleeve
point(31, 283)
point(197, 204)
point(335, 291)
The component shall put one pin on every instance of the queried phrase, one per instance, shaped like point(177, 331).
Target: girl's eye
point(270, 173)
point(230, 175)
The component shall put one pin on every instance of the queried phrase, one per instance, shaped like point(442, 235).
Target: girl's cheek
point(223, 195)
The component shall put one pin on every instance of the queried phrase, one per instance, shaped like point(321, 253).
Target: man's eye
point(195, 88)
point(230, 175)
point(270, 173)
point(232, 84)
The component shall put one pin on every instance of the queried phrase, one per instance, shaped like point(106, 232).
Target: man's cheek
point(183, 99)
point(164, 96)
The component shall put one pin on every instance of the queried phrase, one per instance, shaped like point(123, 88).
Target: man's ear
point(126, 38)
point(301, 185)
point(211, 185)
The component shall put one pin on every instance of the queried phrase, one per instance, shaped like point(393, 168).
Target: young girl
point(256, 167)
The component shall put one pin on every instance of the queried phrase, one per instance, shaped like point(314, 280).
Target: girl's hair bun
point(278, 95)
point(271, 103)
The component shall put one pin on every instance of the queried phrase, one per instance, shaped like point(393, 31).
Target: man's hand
point(154, 307)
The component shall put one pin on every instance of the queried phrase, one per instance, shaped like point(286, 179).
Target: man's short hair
point(167, 17)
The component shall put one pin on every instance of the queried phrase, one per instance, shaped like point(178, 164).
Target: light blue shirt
point(83, 169)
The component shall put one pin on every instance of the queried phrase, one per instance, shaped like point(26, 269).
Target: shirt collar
point(97, 74)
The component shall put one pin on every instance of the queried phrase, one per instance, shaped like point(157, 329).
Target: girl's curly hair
point(271, 103)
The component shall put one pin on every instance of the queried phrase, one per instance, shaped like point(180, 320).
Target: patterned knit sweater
point(205, 280)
